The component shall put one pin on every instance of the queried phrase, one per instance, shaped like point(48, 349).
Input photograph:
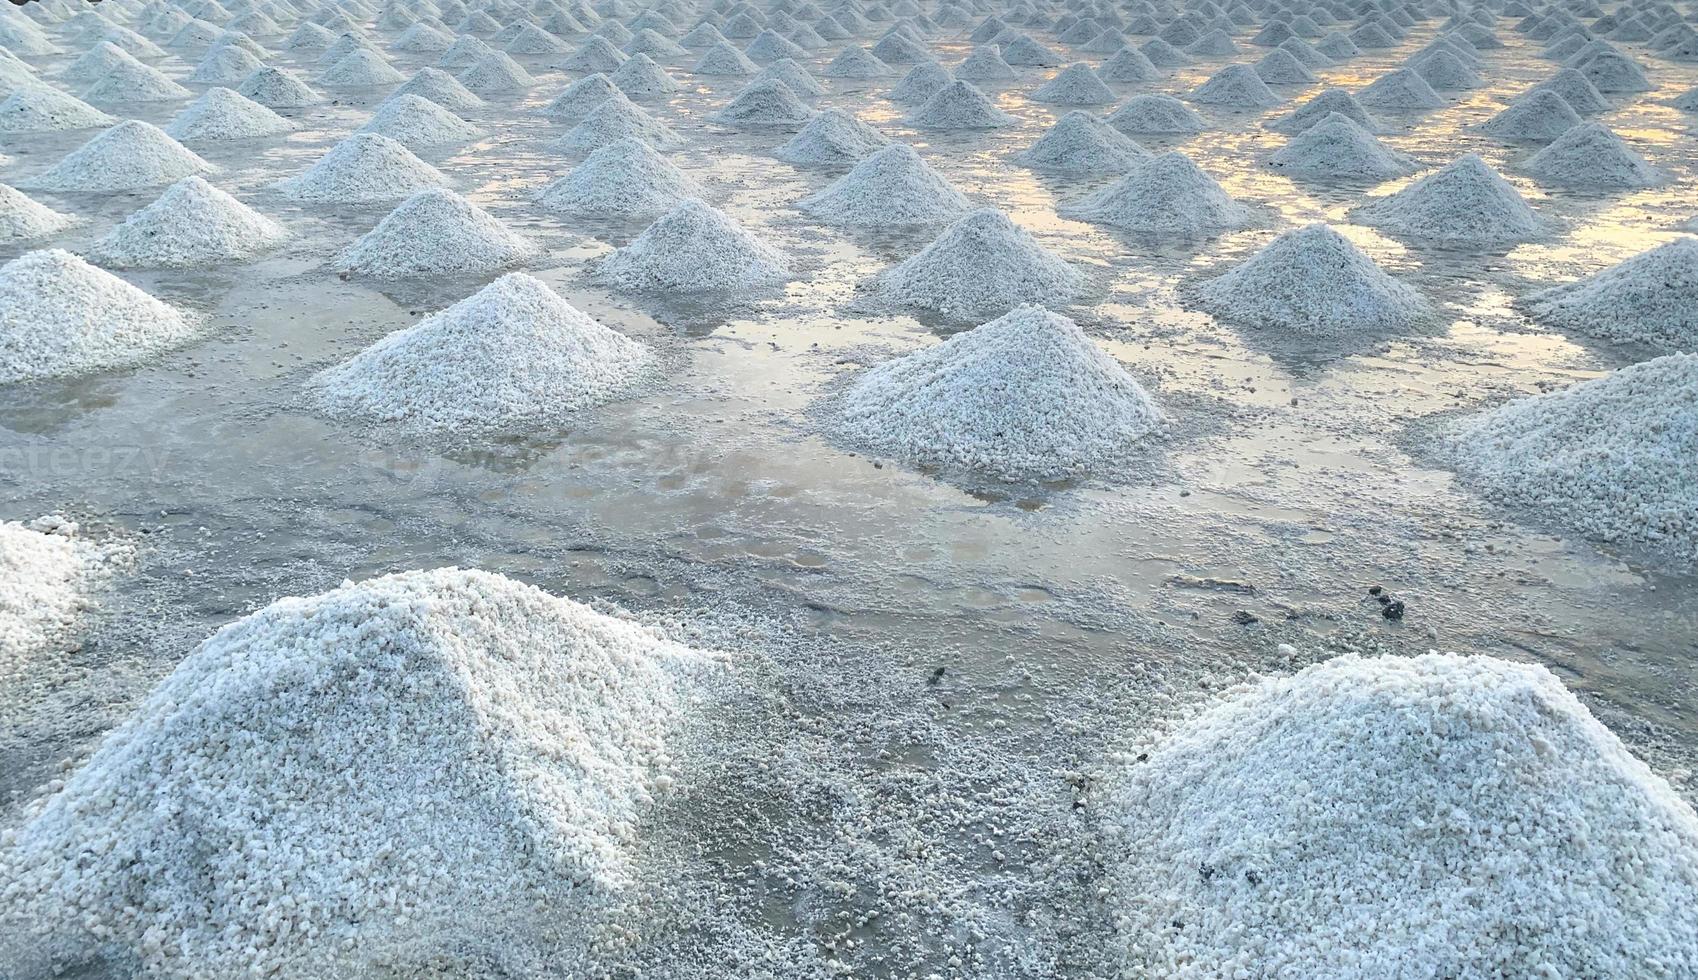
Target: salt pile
point(1652, 298)
point(898, 49)
point(1128, 65)
point(1336, 148)
point(221, 114)
point(1445, 72)
point(60, 316)
point(466, 50)
point(1320, 107)
point(982, 266)
point(531, 39)
point(135, 83)
point(225, 64)
point(769, 46)
point(1235, 87)
point(496, 72)
point(1083, 143)
point(597, 53)
point(416, 122)
point(892, 187)
point(1280, 67)
point(624, 179)
point(1464, 204)
point(692, 249)
point(1163, 55)
point(640, 78)
point(1215, 44)
point(1589, 155)
point(1026, 53)
point(1612, 71)
point(765, 103)
point(792, 76)
point(441, 88)
point(1167, 194)
point(723, 59)
point(1025, 397)
point(1424, 816)
point(22, 218)
point(364, 168)
point(616, 118)
point(95, 62)
point(1156, 115)
point(1075, 85)
point(921, 83)
point(984, 64)
point(129, 156)
point(1313, 282)
point(650, 42)
point(1581, 95)
point(47, 575)
point(1539, 116)
point(581, 97)
point(423, 39)
point(832, 138)
point(959, 105)
point(1403, 90)
point(192, 224)
point(434, 234)
point(361, 68)
point(277, 89)
point(361, 767)
point(38, 108)
point(859, 63)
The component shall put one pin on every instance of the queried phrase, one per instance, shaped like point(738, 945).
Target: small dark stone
point(1375, 589)
point(1393, 610)
point(1243, 618)
point(1143, 757)
point(936, 678)
point(1252, 877)
point(1206, 871)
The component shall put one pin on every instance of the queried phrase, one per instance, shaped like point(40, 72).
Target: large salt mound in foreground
point(60, 316)
point(129, 156)
point(363, 169)
point(358, 769)
point(624, 179)
point(893, 187)
point(1464, 204)
point(1430, 816)
point(46, 574)
point(982, 266)
point(1168, 193)
point(1025, 397)
point(694, 248)
point(434, 234)
point(191, 224)
point(1652, 298)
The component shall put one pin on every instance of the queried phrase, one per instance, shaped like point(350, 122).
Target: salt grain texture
point(47, 578)
point(364, 168)
point(1083, 143)
point(982, 266)
point(1651, 298)
point(624, 179)
point(435, 234)
point(1464, 204)
point(1589, 155)
point(892, 187)
point(1168, 193)
point(129, 156)
point(694, 249)
point(61, 317)
point(193, 224)
point(832, 138)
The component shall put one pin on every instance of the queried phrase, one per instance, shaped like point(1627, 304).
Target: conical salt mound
point(765, 103)
point(1346, 772)
point(984, 64)
point(1320, 107)
point(192, 224)
point(1169, 193)
point(221, 114)
point(1083, 144)
point(640, 78)
point(1027, 53)
point(60, 317)
point(39, 108)
point(22, 219)
point(1589, 155)
point(433, 234)
point(858, 63)
point(275, 88)
point(360, 68)
point(1163, 54)
point(1337, 149)
point(496, 72)
point(959, 105)
point(581, 97)
point(792, 76)
point(1539, 116)
point(225, 64)
point(1314, 283)
point(417, 123)
point(1235, 87)
point(1156, 115)
point(1215, 44)
point(1305, 53)
point(423, 39)
point(1445, 72)
point(770, 46)
point(1128, 65)
point(135, 82)
point(1025, 397)
point(1403, 90)
point(95, 62)
point(129, 156)
point(982, 266)
point(892, 187)
point(694, 249)
point(724, 59)
point(1465, 204)
point(898, 49)
point(531, 39)
point(1281, 67)
point(624, 179)
point(832, 138)
point(1076, 85)
point(1612, 71)
point(617, 117)
point(466, 50)
point(1650, 299)
point(1577, 90)
point(365, 168)
point(441, 88)
point(921, 83)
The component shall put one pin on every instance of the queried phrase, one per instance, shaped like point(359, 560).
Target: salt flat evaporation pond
point(940, 664)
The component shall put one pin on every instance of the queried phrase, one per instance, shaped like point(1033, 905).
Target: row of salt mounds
point(832, 138)
point(982, 266)
point(1464, 204)
point(1439, 815)
point(60, 316)
point(22, 218)
point(359, 769)
point(1313, 282)
point(435, 233)
point(364, 168)
point(1083, 143)
point(694, 248)
point(1652, 298)
point(1168, 193)
point(1025, 397)
point(221, 114)
point(893, 187)
point(1589, 155)
point(129, 156)
point(512, 357)
point(192, 224)
point(46, 576)
point(1337, 148)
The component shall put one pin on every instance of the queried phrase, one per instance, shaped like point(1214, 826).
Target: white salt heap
point(361, 68)
point(192, 224)
point(959, 105)
point(60, 317)
point(1464, 204)
point(694, 249)
point(22, 218)
point(1025, 397)
point(1128, 65)
point(765, 103)
point(982, 266)
point(1075, 85)
point(221, 114)
point(38, 108)
point(1539, 116)
point(364, 767)
point(278, 89)
point(417, 123)
point(580, 98)
point(512, 357)
point(1589, 155)
point(833, 137)
point(1156, 115)
point(1315, 283)
point(1167, 193)
point(616, 118)
point(1577, 90)
point(624, 179)
point(47, 575)
point(365, 168)
point(1439, 815)
point(441, 88)
point(129, 156)
point(640, 78)
point(435, 234)
point(984, 64)
point(134, 82)
point(921, 83)
point(1403, 90)
point(1083, 143)
point(1652, 298)
point(496, 72)
point(890, 188)
point(1336, 148)
point(1235, 87)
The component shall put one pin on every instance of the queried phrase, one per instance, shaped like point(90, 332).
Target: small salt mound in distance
point(423, 39)
point(694, 249)
point(1163, 54)
point(95, 62)
point(723, 59)
point(434, 744)
point(1083, 143)
point(897, 49)
point(221, 114)
point(1215, 44)
point(22, 218)
point(982, 266)
point(1338, 47)
point(129, 156)
point(39, 108)
point(278, 89)
point(1320, 107)
point(984, 64)
point(1336, 148)
point(531, 39)
point(1589, 155)
point(1168, 193)
point(1651, 298)
point(433, 234)
point(1295, 824)
point(441, 88)
point(1403, 90)
point(496, 72)
point(858, 63)
point(769, 46)
point(60, 317)
point(361, 68)
point(135, 83)
point(1577, 90)
point(1445, 72)
point(616, 118)
point(1281, 67)
point(1313, 282)
point(225, 64)
point(1539, 116)
point(192, 224)
point(581, 97)
point(416, 123)
point(1305, 53)
point(624, 179)
point(1025, 52)
point(832, 138)
point(1235, 87)
point(959, 105)
point(1155, 114)
point(362, 169)
point(650, 42)
point(1128, 65)
point(765, 103)
point(1612, 71)
point(1076, 85)
point(640, 78)
point(921, 83)
point(467, 50)
point(793, 76)
point(1025, 397)
point(892, 187)
point(1464, 204)
point(47, 575)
